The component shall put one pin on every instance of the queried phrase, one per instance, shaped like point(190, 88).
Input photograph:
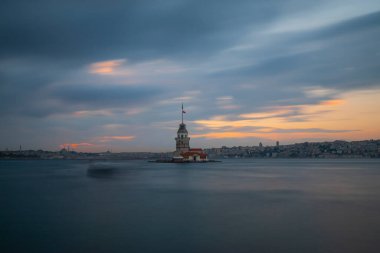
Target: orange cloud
point(303, 109)
point(353, 116)
point(105, 67)
point(270, 133)
point(333, 102)
point(291, 116)
point(76, 145)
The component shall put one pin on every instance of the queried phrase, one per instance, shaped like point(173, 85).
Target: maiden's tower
point(183, 152)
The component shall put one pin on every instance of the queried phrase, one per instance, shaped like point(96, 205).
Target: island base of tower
point(182, 161)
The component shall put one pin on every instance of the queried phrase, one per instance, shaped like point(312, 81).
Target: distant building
point(277, 143)
point(183, 150)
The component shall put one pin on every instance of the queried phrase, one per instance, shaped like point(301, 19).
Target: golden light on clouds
point(353, 116)
point(136, 72)
point(106, 67)
point(76, 145)
point(333, 102)
point(266, 134)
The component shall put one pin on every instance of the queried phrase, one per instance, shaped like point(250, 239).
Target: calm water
point(233, 206)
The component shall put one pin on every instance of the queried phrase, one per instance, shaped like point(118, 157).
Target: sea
point(237, 205)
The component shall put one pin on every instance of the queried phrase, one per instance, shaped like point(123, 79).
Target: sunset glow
point(352, 117)
point(115, 76)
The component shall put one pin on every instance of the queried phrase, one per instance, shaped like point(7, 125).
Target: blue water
point(233, 206)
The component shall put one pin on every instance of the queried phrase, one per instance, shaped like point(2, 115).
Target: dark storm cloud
point(133, 29)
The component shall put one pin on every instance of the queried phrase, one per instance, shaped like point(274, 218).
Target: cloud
point(106, 67)
point(290, 112)
point(339, 56)
point(102, 96)
point(225, 135)
point(281, 120)
point(264, 133)
point(319, 92)
point(139, 29)
point(321, 16)
point(245, 66)
point(116, 138)
point(92, 113)
point(76, 145)
point(332, 102)
point(97, 142)
point(269, 114)
point(226, 103)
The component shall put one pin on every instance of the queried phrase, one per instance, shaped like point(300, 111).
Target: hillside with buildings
point(335, 149)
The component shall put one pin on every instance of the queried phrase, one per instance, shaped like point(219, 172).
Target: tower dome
point(182, 129)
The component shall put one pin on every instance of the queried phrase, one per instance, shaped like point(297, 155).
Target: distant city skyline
point(99, 76)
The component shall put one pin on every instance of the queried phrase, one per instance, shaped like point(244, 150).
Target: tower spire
point(182, 113)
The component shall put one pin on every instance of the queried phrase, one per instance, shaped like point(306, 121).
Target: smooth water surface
point(234, 206)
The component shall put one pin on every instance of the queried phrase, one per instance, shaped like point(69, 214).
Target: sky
point(111, 75)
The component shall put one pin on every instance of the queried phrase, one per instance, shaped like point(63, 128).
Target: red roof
point(192, 153)
point(203, 156)
point(196, 149)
